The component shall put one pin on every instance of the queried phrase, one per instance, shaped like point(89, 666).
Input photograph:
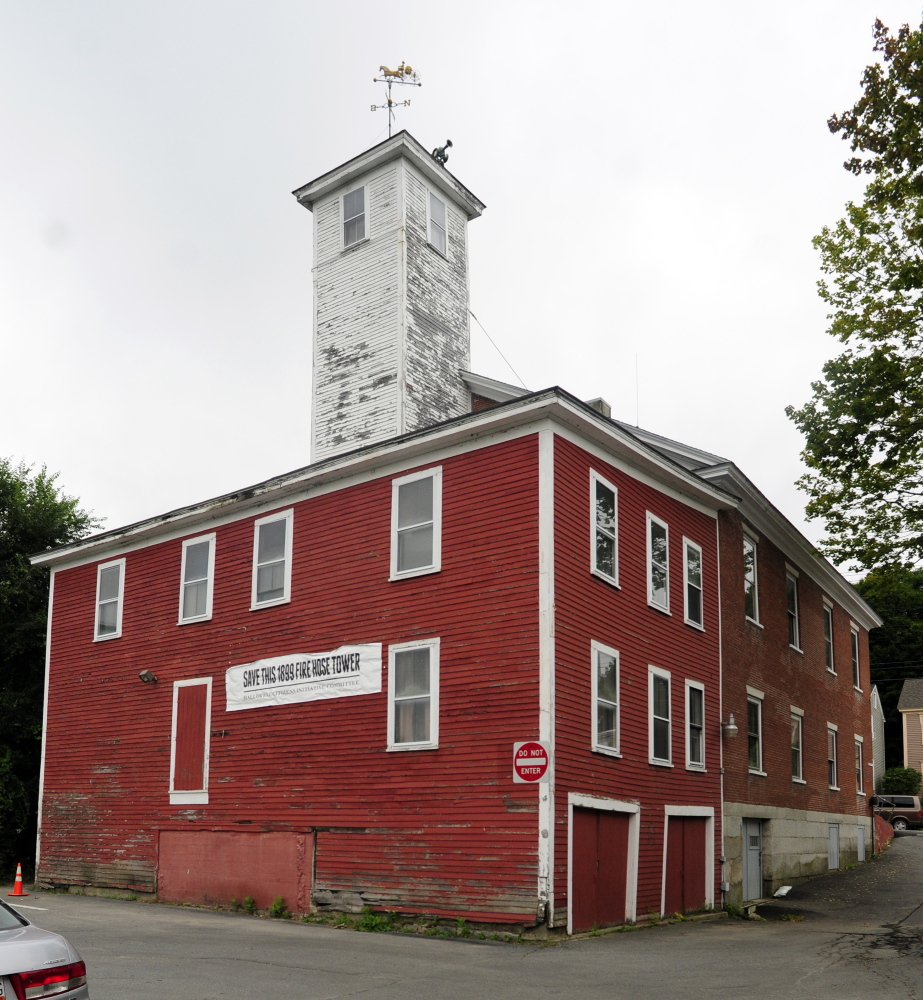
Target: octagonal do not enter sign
point(531, 761)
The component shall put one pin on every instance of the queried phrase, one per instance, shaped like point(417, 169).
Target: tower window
point(354, 217)
point(437, 223)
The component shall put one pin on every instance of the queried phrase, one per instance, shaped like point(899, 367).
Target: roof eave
point(768, 520)
point(554, 403)
point(402, 144)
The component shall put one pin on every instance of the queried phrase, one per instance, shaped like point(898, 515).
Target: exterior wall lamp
point(148, 677)
point(730, 727)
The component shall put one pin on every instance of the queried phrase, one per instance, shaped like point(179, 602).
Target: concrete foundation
point(795, 844)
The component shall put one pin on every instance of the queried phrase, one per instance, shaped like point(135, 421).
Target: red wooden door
point(685, 875)
point(189, 760)
point(599, 870)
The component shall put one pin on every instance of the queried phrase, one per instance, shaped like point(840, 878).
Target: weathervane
point(403, 75)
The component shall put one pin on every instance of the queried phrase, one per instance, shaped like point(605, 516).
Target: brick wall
point(759, 655)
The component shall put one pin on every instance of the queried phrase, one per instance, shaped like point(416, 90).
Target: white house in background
point(878, 740)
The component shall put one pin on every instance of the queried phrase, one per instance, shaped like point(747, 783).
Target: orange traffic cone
point(17, 886)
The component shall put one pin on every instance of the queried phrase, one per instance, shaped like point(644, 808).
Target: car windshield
point(9, 918)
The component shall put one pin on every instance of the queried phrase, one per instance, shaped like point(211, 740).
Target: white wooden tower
point(391, 331)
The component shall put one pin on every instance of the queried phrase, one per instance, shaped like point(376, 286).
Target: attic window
point(354, 217)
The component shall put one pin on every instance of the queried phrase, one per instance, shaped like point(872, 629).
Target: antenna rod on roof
point(403, 75)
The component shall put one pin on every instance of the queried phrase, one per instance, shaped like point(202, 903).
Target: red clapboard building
point(312, 688)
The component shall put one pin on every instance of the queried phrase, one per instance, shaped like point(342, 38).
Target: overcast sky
point(653, 175)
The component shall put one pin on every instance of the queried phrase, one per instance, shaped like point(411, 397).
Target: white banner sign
point(285, 680)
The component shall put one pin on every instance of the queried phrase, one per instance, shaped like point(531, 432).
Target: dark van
point(903, 812)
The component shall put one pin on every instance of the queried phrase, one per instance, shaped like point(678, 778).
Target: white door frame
point(708, 812)
point(577, 800)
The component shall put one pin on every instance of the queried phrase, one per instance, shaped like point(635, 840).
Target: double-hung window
point(110, 588)
point(751, 601)
point(695, 726)
point(659, 707)
point(831, 756)
point(416, 523)
point(272, 560)
point(860, 783)
point(755, 734)
point(828, 638)
point(658, 563)
point(196, 576)
point(413, 695)
point(437, 223)
point(353, 207)
point(791, 599)
point(604, 550)
point(854, 648)
point(692, 578)
point(189, 743)
point(797, 745)
point(605, 698)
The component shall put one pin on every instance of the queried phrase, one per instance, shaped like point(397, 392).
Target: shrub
point(901, 781)
point(278, 909)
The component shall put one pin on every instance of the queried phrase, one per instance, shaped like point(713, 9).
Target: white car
point(36, 963)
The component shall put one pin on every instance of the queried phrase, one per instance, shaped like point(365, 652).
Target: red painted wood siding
point(189, 765)
point(587, 609)
point(443, 829)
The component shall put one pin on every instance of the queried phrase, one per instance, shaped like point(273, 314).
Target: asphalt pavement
point(849, 935)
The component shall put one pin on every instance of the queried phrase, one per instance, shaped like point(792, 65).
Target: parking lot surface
point(850, 935)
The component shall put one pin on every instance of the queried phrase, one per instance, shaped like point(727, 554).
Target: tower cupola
point(391, 332)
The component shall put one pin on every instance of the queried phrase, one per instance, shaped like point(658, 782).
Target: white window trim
point(859, 742)
point(688, 543)
point(433, 742)
point(756, 699)
point(595, 478)
point(435, 472)
point(616, 751)
point(653, 672)
point(365, 202)
point(690, 765)
point(793, 574)
point(697, 812)
point(576, 800)
point(831, 728)
point(653, 519)
point(282, 515)
point(210, 582)
point(798, 713)
point(429, 223)
point(751, 538)
point(120, 604)
point(855, 663)
point(828, 608)
point(191, 797)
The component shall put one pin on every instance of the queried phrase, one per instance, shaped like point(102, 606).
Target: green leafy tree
point(901, 781)
point(863, 426)
point(896, 648)
point(34, 515)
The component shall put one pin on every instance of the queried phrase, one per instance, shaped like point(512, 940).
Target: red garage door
point(208, 866)
point(685, 875)
point(599, 868)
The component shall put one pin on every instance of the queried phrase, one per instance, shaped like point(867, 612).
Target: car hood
point(27, 949)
